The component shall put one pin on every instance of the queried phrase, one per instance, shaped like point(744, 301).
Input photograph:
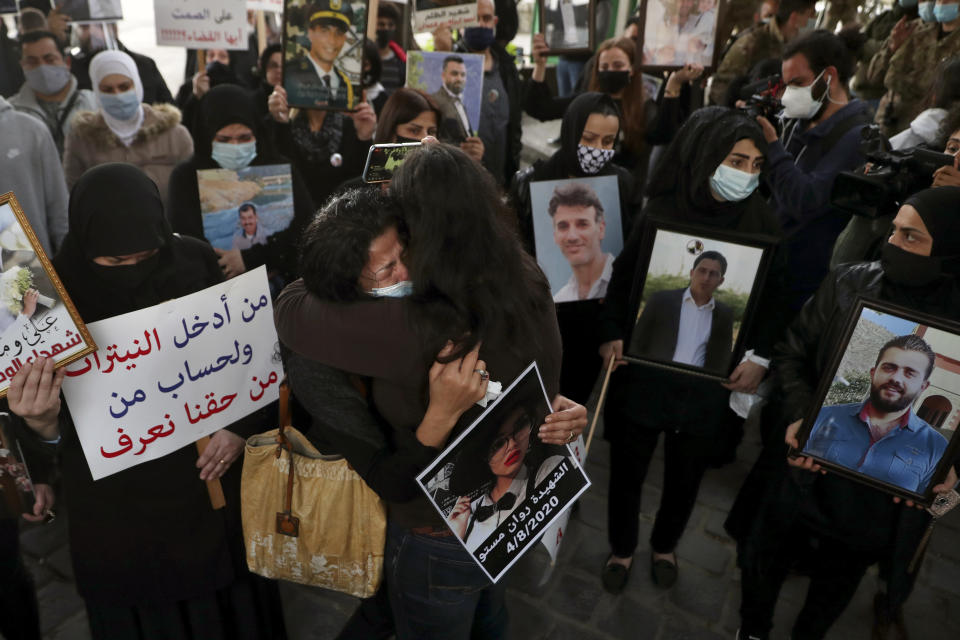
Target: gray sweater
point(30, 167)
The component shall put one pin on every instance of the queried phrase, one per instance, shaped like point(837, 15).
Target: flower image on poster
point(90, 10)
point(697, 296)
point(577, 234)
point(889, 410)
point(455, 81)
point(679, 32)
point(244, 208)
point(567, 25)
point(433, 14)
point(323, 53)
point(37, 318)
point(497, 485)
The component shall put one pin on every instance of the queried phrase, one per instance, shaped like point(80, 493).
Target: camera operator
point(820, 139)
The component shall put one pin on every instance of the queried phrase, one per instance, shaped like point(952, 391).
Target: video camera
point(891, 177)
point(761, 97)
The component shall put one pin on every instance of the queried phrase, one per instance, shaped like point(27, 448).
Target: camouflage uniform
point(758, 44)
point(877, 31)
point(908, 74)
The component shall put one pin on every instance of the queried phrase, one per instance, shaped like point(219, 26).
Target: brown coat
point(161, 144)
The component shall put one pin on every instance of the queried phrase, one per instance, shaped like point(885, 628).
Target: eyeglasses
point(521, 431)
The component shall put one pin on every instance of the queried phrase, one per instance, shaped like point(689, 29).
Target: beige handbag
point(330, 528)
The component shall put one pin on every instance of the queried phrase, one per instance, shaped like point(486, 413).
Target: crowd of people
point(397, 303)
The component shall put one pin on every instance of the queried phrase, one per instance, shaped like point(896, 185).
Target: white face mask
point(799, 103)
point(807, 28)
point(400, 290)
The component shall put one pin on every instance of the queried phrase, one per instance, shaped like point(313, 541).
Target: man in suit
point(689, 325)
point(449, 97)
point(315, 78)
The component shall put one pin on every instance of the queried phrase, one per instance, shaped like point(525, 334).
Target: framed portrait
point(887, 411)
point(37, 317)
point(432, 14)
point(679, 32)
point(568, 25)
point(697, 291)
point(577, 234)
point(91, 10)
point(323, 53)
point(497, 485)
point(244, 208)
point(455, 81)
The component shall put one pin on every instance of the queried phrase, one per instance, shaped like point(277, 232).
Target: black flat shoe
point(663, 572)
point(614, 576)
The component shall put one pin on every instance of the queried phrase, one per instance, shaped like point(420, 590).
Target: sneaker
point(614, 576)
point(663, 572)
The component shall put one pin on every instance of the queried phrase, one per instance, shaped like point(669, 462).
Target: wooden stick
point(202, 63)
point(596, 412)
point(373, 8)
point(261, 32)
point(214, 488)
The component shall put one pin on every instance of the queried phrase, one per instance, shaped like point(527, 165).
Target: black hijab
point(224, 105)
point(683, 172)
point(564, 161)
point(115, 210)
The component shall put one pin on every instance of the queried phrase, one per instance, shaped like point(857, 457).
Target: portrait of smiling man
point(316, 74)
point(578, 229)
point(882, 437)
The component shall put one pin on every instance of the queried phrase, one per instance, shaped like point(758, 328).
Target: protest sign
point(90, 10)
point(265, 5)
point(553, 535)
point(433, 14)
point(244, 207)
point(455, 82)
point(37, 318)
point(170, 374)
point(202, 24)
point(498, 486)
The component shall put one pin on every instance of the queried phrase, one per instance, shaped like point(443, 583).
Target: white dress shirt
point(694, 331)
point(570, 291)
point(332, 74)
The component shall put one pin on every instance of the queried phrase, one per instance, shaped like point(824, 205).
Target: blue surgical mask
point(926, 11)
point(807, 28)
point(732, 184)
point(908, 4)
point(47, 79)
point(234, 156)
point(400, 290)
point(946, 12)
point(122, 106)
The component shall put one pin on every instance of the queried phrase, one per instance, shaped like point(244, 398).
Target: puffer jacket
point(161, 144)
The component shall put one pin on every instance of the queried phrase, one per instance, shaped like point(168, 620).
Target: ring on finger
point(483, 373)
point(222, 461)
point(570, 437)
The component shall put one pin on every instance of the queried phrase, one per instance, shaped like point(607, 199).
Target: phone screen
point(384, 159)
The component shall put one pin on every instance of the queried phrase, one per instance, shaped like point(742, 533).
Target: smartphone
point(384, 159)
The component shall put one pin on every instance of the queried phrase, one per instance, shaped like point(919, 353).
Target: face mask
point(234, 156)
point(926, 11)
point(127, 276)
point(612, 81)
point(765, 20)
point(47, 79)
point(908, 4)
point(807, 28)
point(592, 160)
point(903, 267)
point(220, 73)
point(384, 36)
point(400, 290)
point(799, 103)
point(122, 106)
point(732, 184)
point(478, 38)
point(946, 12)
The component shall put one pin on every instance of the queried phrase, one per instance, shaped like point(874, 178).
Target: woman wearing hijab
point(708, 176)
point(152, 558)
point(777, 514)
point(588, 136)
point(124, 129)
point(231, 137)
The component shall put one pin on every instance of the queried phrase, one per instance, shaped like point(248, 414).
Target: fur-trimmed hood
point(90, 126)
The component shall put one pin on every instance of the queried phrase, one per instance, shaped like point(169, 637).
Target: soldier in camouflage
point(907, 63)
point(877, 31)
point(794, 18)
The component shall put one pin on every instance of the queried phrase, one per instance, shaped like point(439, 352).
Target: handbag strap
point(287, 523)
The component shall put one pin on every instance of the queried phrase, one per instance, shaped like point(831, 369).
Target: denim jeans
point(438, 592)
point(568, 72)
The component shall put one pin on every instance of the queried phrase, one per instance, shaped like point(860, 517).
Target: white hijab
point(109, 62)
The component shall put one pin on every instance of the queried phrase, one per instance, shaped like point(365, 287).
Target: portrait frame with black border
point(551, 13)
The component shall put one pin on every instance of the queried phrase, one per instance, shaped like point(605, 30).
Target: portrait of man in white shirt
point(579, 227)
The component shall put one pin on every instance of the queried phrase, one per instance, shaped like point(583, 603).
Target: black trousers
point(835, 573)
point(686, 458)
point(19, 615)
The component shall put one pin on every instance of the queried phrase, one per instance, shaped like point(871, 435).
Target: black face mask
point(611, 82)
point(127, 276)
point(220, 73)
point(384, 36)
point(903, 267)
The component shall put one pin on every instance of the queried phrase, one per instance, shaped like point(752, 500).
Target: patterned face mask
point(592, 160)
